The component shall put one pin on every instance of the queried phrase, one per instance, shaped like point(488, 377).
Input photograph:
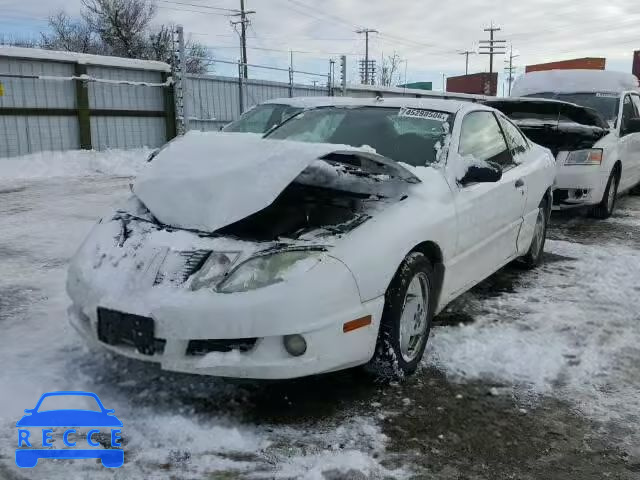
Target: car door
point(629, 145)
point(527, 165)
point(634, 154)
point(489, 214)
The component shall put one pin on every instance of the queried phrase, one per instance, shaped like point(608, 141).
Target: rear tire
point(605, 208)
point(406, 320)
point(533, 258)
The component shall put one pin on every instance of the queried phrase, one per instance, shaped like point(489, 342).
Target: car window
point(628, 111)
point(636, 102)
point(261, 118)
point(409, 135)
point(482, 139)
point(69, 402)
point(517, 142)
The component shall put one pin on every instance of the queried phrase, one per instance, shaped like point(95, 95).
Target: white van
point(595, 174)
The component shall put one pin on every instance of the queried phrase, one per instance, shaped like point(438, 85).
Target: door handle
point(519, 183)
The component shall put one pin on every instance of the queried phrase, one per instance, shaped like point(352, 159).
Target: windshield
point(606, 104)
point(261, 118)
point(408, 135)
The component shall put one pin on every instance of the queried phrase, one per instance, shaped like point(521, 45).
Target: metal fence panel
point(23, 134)
point(127, 132)
point(34, 92)
point(123, 96)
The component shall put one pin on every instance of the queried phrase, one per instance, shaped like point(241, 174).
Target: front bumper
point(578, 185)
point(316, 307)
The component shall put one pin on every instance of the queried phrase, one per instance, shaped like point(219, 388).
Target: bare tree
point(121, 28)
point(70, 35)
point(122, 25)
point(389, 73)
point(199, 59)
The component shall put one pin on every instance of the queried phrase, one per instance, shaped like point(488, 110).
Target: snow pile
point(573, 81)
point(74, 163)
point(570, 330)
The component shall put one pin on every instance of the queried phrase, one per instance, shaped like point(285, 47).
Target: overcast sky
point(429, 34)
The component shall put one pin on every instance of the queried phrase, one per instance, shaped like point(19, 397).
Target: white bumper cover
point(316, 306)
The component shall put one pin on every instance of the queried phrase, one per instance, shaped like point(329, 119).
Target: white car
point(328, 245)
point(608, 164)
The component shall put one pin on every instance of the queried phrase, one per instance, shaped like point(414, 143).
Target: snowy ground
point(530, 375)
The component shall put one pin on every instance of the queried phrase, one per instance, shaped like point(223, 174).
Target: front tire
point(406, 320)
point(533, 258)
point(605, 208)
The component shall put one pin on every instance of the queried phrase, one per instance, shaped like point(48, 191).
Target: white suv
point(597, 173)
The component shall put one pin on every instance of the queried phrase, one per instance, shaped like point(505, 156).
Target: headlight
point(592, 156)
point(213, 270)
point(264, 270)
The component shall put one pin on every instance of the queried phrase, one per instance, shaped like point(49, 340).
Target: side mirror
point(492, 172)
point(632, 126)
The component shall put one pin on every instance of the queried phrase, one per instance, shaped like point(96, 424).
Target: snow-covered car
point(596, 160)
point(267, 115)
point(330, 244)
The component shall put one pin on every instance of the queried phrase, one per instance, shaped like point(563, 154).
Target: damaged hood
point(548, 111)
point(206, 181)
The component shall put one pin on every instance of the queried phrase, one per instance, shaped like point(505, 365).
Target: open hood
point(559, 126)
point(547, 111)
point(206, 181)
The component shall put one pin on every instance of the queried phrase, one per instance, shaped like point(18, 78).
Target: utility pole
point(493, 47)
point(511, 68)
point(466, 53)
point(244, 22)
point(367, 67)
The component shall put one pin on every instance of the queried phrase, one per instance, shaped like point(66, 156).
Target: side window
point(636, 102)
point(517, 142)
point(481, 138)
point(628, 112)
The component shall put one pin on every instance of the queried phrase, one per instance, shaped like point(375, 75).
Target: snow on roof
point(82, 58)
point(451, 105)
point(574, 81)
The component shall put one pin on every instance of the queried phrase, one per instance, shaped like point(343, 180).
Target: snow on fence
point(66, 101)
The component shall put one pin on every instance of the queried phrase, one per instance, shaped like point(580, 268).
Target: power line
point(510, 68)
point(243, 22)
point(207, 7)
point(466, 53)
point(368, 66)
point(492, 48)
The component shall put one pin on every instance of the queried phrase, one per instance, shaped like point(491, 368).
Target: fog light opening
point(295, 345)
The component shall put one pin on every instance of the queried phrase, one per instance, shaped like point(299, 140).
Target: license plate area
point(117, 328)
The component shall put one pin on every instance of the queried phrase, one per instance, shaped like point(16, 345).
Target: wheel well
point(432, 251)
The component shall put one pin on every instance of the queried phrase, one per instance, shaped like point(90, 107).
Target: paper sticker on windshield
point(421, 113)
point(607, 95)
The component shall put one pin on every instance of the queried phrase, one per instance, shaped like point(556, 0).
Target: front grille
point(202, 347)
point(178, 266)
point(117, 328)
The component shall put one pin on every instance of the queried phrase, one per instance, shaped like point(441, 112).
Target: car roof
point(443, 104)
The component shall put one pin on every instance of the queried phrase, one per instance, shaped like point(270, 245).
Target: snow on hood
point(205, 181)
point(573, 81)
